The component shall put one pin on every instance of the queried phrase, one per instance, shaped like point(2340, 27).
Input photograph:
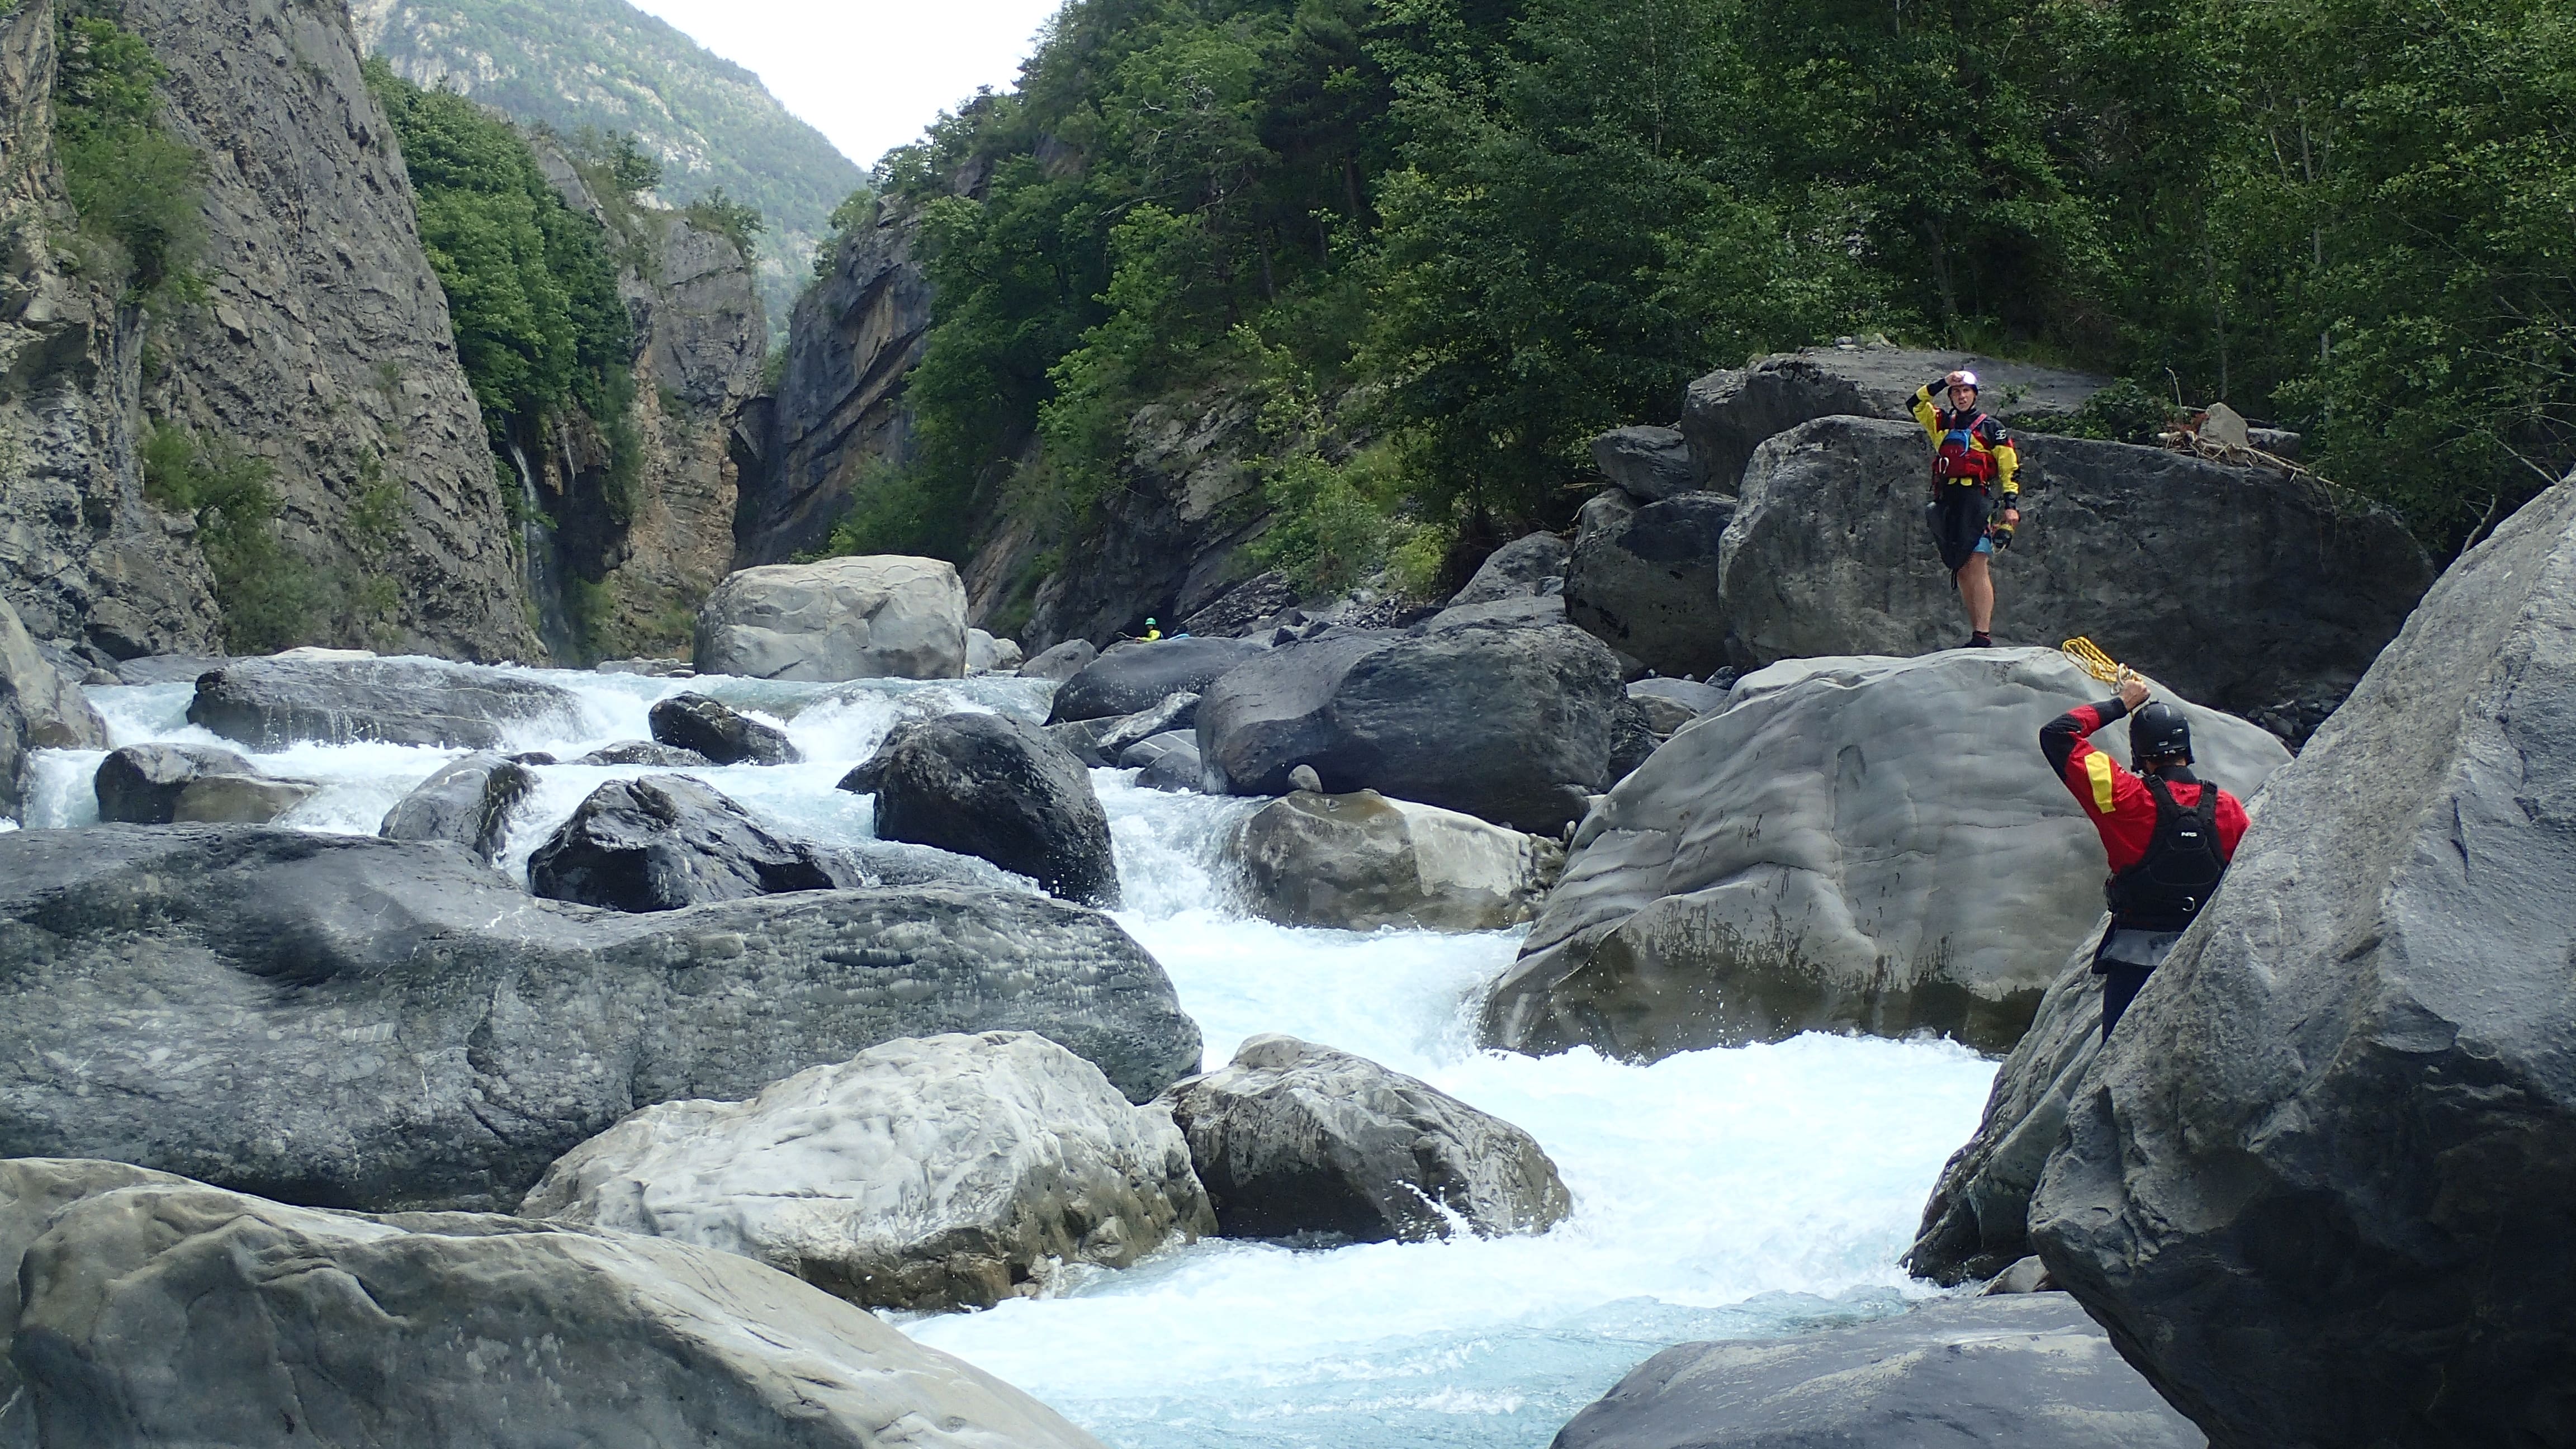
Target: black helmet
point(2156, 731)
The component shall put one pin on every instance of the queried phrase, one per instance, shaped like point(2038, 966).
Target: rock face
point(1727, 414)
point(939, 1172)
point(667, 841)
point(468, 803)
point(883, 616)
point(1509, 725)
point(1294, 1139)
point(1649, 464)
point(707, 727)
point(39, 710)
point(2322, 1188)
point(993, 786)
point(268, 704)
point(1647, 585)
point(1136, 675)
point(1518, 570)
point(159, 1310)
point(1358, 862)
point(2023, 1372)
point(1834, 851)
point(339, 1019)
point(2231, 585)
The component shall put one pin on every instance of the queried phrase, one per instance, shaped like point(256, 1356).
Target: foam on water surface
point(1722, 1193)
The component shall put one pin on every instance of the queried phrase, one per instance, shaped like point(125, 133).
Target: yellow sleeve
point(1926, 414)
point(2008, 469)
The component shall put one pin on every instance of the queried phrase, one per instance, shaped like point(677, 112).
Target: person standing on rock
point(1973, 459)
point(2169, 835)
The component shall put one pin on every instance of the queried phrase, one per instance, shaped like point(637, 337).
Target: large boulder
point(877, 616)
point(468, 803)
point(1175, 712)
point(1298, 1140)
point(2321, 1186)
point(39, 710)
point(2028, 1371)
point(2234, 586)
point(942, 1172)
point(340, 1019)
point(986, 654)
point(1358, 862)
point(141, 784)
point(1647, 584)
point(148, 1309)
point(1167, 762)
point(652, 754)
point(1510, 725)
point(1728, 413)
point(1135, 675)
point(997, 787)
point(1519, 569)
point(1649, 464)
point(666, 841)
point(718, 732)
point(269, 704)
point(1060, 663)
point(1851, 844)
point(1669, 704)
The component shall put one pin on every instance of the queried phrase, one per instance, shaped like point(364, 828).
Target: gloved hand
point(2002, 533)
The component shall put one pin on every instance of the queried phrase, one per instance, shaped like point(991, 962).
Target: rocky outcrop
point(986, 654)
point(718, 733)
point(667, 841)
point(1833, 851)
point(1649, 464)
point(871, 617)
point(156, 784)
point(1727, 414)
point(152, 1309)
point(1135, 675)
point(2321, 1187)
point(2023, 1372)
point(1293, 1139)
point(1647, 584)
point(2235, 586)
point(39, 710)
point(996, 787)
point(468, 803)
point(1358, 862)
point(269, 704)
point(1014, 1157)
point(1519, 569)
point(343, 1020)
point(1511, 725)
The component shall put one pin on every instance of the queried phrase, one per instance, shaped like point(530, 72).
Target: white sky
point(869, 74)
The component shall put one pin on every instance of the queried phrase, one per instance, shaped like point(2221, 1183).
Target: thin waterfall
point(545, 581)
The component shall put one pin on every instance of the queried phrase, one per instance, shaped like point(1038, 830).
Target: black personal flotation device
point(1958, 459)
point(2179, 872)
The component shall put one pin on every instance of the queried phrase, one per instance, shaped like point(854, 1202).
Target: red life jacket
point(1959, 460)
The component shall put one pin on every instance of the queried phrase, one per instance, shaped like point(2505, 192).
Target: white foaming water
point(1718, 1193)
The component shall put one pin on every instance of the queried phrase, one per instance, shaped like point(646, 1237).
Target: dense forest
point(1447, 241)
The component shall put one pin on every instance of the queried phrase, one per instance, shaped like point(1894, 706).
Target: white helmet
point(1964, 378)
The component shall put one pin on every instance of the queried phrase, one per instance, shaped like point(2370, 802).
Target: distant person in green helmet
point(1973, 461)
point(1153, 632)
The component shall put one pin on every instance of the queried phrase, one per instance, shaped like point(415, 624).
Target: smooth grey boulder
point(1060, 663)
point(148, 1309)
point(340, 1019)
point(666, 841)
point(1292, 1140)
point(1012, 1157)
point(271, 703)
point(1865, 844)
point(2028, 1371)
point(1533, 611)
point(723, 735)
point(239, 799)
point(1647, 584)
point(2021, 1275)
point(1671, 703)
point(1730, 412)
point(1167, 762)
point(2233, 586)
point(468, 803)
point(1507, 724)
point(2321, 1185)
point(141, 784)
point(1649, 464)
point(1358, 862)
point(39, 710)
point(644, 752)
point(986, 654)
point(1135, 675)
point(993, 786)
point(1518, 570)
point(876, 616)
point(1174, 712)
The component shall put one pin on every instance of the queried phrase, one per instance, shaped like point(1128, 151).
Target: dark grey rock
point(2024, 1275)
point(1081, 739)
point(1136, 675)
point(648, 668)
point(644, 752)
point(1168, 762)
point(169, 668)
point(1648, 585)
point(1518, 570)
point(1632, 739)
point(993, 786)
point(1293, 1139)
point(141, 784)
point(1671, 703)
point(724, 736)
point(1649, 464)
point(2022, 1372)
point(239, 799)
point(1175, 712)
point(666, 841)
point(1248, 608)
point(1531, 611)
point(2321, 1184)
point(467, 803)
point(339, 1019)
point(1510, 725)
point(39, 710)
point(268, 704)
point(1060, 663)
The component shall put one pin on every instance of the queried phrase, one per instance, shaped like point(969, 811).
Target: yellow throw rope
point(2086, 655)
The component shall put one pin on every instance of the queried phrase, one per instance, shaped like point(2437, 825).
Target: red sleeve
point(2116, 801)
point(2232, 821)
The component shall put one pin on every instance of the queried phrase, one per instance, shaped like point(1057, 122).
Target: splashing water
point(1723, 1193)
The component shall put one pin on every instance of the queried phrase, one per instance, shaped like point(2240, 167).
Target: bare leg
point(1977, 591)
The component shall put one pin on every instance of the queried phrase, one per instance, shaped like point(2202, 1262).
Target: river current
point(1725, 1193)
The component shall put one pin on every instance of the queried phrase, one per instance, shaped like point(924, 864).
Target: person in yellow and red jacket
point(1974, 464)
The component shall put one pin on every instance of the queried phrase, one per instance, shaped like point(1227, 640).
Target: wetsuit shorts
point(1958, 519)
point(2124, 962)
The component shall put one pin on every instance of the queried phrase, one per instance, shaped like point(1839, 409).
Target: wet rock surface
point(719, 733)
point(468, 803)
point(644, 752)
point(1359, 862)
point(268, 704)
point(1136, 675)
point(1168, 762)
point(142, 784)
point(995, 787)
point(877, 616)
point(39, 710)
point(666, 841)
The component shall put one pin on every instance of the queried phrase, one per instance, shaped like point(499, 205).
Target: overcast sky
point(869, 74)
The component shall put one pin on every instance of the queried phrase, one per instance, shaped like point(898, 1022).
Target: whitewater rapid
point(1724, 1193)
